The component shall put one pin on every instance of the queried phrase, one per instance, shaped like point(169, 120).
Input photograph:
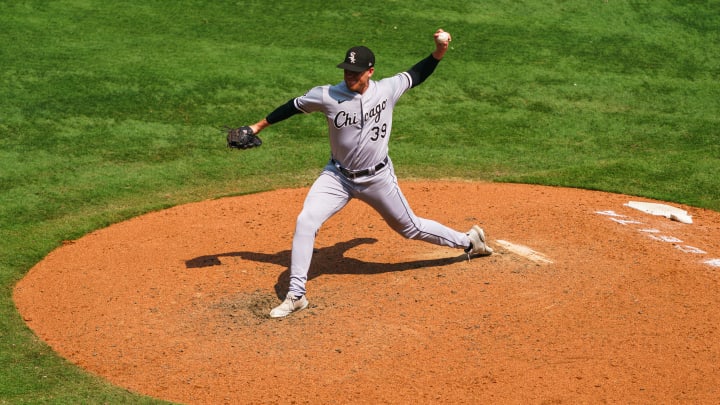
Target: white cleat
point(290, 305)
point(478, 246)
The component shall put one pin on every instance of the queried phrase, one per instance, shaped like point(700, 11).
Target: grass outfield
point(110, 110)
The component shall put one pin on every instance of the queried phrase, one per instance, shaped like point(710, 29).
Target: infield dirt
point(585, 300)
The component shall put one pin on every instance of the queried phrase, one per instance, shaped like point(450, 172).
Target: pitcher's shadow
point(328, 260)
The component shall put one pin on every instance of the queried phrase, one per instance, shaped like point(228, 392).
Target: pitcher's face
point(358, 81)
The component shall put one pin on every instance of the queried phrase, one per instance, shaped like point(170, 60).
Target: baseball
point(443, 37)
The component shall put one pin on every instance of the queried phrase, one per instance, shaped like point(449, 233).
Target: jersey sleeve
point(399, 84)
point(312, 101)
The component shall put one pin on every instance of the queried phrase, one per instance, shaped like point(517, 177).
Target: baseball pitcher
point(359, 113)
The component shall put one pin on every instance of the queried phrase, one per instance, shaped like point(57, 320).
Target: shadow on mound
point(329, 260)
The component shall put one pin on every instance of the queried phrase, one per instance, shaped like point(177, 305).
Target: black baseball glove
point(242, 138)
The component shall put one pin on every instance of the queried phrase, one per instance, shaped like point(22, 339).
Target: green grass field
point(109, 110)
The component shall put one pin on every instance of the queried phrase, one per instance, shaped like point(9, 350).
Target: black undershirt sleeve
point(283, 112)
point(422, 70)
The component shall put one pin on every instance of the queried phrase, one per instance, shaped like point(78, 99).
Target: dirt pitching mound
point(586, 300)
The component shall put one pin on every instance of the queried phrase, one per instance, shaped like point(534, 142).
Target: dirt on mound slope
point(584, 300)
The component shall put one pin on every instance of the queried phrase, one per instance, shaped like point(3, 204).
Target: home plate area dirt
point(585, 300)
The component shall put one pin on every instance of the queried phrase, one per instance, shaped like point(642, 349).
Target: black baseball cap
point(358, 59)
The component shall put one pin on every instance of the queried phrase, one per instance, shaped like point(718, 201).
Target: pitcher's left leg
point(325, 198)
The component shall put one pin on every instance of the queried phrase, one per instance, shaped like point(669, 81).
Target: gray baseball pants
point(332, 191)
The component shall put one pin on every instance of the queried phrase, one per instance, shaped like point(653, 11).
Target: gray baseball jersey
point(359, 124)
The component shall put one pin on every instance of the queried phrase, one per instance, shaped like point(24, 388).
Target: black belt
point(353, 174)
